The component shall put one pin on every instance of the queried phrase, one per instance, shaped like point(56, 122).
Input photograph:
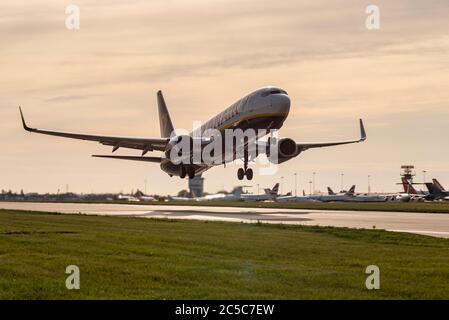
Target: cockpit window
point(273, 91)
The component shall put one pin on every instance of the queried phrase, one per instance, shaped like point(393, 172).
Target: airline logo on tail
point(437, 190)
point(433, 189)
point(351, 191)
point(438, 185)
point(408, 188)
point(330, 191)
point(274, 191)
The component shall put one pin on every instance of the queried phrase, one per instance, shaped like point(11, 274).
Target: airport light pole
point(342, 177)
point(258, 189)
point(369, 184)
point(313, 187)
point(296, 185)
point(424, 175)
point(310, 188)
point(282, 184)
point(145, 182)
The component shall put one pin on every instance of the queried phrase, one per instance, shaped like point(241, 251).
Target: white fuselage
point(261, 110)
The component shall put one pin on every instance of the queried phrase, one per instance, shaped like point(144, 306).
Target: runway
point(431, 224)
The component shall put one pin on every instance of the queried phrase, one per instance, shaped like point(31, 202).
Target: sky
point(205, 55)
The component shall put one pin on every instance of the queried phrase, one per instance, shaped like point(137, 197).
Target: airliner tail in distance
point(438, 185)
point(351, 190)
point(408, 187)
point(274, 191)
point(437, 191)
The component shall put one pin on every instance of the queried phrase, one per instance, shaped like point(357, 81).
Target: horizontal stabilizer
point(145, 159)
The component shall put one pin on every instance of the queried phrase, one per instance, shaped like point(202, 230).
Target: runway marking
point(421, 231)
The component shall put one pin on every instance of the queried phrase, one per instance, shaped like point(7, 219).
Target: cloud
point(62, 99)
point(206, 55)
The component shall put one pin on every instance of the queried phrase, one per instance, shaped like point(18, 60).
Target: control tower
point(196, 186)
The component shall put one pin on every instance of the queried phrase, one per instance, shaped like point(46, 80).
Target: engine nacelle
point(286, 150)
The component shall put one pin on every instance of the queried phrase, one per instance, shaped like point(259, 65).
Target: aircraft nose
point(280, 103)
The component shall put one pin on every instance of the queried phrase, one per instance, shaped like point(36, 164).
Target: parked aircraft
point(269, 195)
point(413, 193)
point(335, 197)
point(236, 195)
point(367, 198)
point(262, 110)
point(437, 191)
point(302, 198)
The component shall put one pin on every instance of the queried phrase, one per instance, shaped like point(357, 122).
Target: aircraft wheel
point(249, 174)
point(182, 172)
point(191, 172)
point(240, 173)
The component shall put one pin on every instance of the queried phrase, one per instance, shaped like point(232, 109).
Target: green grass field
point(137, 258)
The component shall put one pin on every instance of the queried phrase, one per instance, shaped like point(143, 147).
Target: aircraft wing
point(310, 145)
point(133, 158)
point(144, 144)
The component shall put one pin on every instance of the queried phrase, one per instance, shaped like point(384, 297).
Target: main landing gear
point(245, 171)
point(186, 171)
point(241, 173)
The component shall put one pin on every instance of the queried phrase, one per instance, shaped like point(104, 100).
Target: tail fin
point(275, 189)
point(433, 189)
point(438, 185)
point(351, 190)
point(330, 191)
point(237, 191)
point(408, 188)
point(164, 117)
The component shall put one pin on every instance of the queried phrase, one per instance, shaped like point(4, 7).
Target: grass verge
point(136, 258)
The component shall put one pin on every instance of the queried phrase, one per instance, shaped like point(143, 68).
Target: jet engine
point(286, 150)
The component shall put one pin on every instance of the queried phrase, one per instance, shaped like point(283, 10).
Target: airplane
point(263, 110)
point(176, 198)
point(367, 198)
point(438, 185)
point(139, 196)
point(274, 191)
point(412, 192)
point(437, 191)
point(302, 198)
point(335, 197)
point(235, 195)
point(127, 198)
point(269, 194)
point(332, 192)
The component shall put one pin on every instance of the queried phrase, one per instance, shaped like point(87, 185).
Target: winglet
point(23, 121)
point(362, 131)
